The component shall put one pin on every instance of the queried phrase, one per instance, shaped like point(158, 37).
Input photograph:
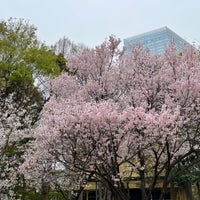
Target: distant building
point(157, 40)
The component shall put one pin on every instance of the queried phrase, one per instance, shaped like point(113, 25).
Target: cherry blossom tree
point(121, 109)
point(78, 149)
point(168, 103)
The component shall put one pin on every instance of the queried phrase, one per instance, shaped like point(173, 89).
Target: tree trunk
point(143, 188)
point(81, 196)
point(198, 189)
point(165, 185)
point(45, 191)
point(188, 189)
point(142, 174)
point(167, 173)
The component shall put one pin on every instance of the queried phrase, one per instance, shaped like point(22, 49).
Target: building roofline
point(148, 33)
point(164, 28)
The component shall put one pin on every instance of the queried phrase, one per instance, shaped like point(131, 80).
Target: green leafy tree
point(24, 64)
point(187, 175)
point(61, 62)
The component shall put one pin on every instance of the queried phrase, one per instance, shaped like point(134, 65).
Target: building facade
point(157, 40)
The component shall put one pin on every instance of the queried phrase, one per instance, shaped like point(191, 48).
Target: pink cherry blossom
point(119, 108)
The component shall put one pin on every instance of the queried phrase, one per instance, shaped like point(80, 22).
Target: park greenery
point(71, 114)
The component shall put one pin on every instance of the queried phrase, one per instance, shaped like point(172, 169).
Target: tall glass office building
point(157, 40)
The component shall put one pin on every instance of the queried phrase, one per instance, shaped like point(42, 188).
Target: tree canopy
point(136, 110)
point(23, 61)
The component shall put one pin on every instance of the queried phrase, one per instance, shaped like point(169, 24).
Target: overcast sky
point(92, 21)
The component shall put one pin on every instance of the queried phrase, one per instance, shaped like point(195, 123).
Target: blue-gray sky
point(92, 21)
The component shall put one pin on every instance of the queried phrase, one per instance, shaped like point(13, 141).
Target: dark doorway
point(135, 194)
